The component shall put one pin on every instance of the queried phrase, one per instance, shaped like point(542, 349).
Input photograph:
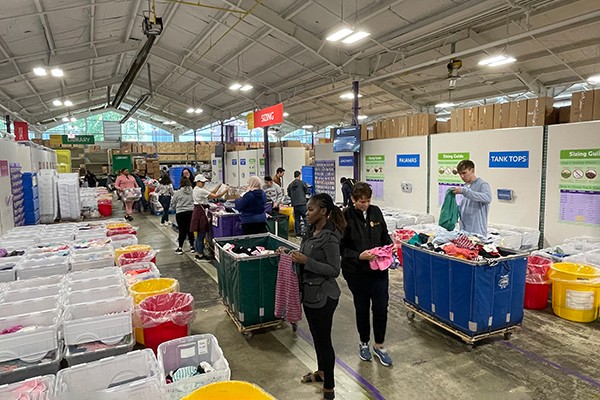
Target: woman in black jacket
point(319, 260)
point(366, 229)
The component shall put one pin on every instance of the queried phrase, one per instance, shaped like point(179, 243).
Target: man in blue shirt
point(477, 196)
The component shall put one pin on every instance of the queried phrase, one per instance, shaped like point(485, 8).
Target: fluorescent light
point(39, 71)
point(170, 123)
point(190, 110)
point(68, 103)
point(245, 88)
point(442, 119)
point(594, 79)
point(307, 126)
point(361, 117)
point(57, 103)
point(235, 86)
point(73, 119)
point(286, 114)
point(562, 103)
point(496, 61)
point(349, 96)
point(198, 110)
point(57, 72)
point(355, 37)
point(339, 34)
point(444, 105)
point(65, 119)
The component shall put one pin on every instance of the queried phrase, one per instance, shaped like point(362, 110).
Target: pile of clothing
point(247, 251)
point(459, 244)
point(14, 253)
point(182, 373)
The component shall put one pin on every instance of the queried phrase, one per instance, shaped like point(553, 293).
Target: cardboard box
point(364, 132)
point(457, 118)
point(486, 117)
point(471, 119)
point(539, 111)
point(582, 106)
point(413, 125)
point(501, 115)
point(596, 112)
point(402, 126)
point(371, 132)
point(518, 114)
point(394, 131)
point(443, 127)
point(385, 129)
point(426, 124)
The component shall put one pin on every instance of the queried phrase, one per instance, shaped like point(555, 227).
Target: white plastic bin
point(587, 258)
point(101, 257)
point(107, 321)
point(108, 373)
point(93, 283)
point(15, 371)
point(131, 278)
point(29, 306)
point(190, 351)
point(34, 268)
point(86, 296)
point(30, 293)
point(119, 241)
point(38, 388)
point(26, 345)
point(93, 273)
point(8, 268)
point(37, 282)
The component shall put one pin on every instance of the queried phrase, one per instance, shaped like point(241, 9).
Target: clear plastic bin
point(108, 373)
point(15, 370)
point(190, 352)
point(37, 282)
point(30, 293)
point(131, 249)
point(29, 306)
point(138, 272)
point(93, 283)
point(589, 258)
point(102, 257)
point(9, 275)
point(38, 388)
point(25, 345)
point(89, 295)
point(107, 321)
point(93, 273)
point(93, 351)
point(119, 241)
point(42, 267)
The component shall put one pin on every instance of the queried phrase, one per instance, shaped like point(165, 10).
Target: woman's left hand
point(299, 258)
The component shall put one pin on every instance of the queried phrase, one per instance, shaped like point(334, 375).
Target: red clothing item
point(453, 250)
point(287, 291)
point(125, 182)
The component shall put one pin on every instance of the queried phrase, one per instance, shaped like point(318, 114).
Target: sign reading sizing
point(346, 161)
point(408, 160)
point(269, 116)
point(509, 159)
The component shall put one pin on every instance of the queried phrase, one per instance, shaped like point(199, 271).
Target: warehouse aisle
point(549, 358)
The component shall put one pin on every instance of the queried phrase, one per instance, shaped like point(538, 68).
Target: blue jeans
point(299, 212)
point(199, 243)
point(165, 202)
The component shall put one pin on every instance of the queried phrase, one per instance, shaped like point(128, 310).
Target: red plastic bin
point(536, 295)
point(537, 265)
point(105, 209)
point(165, 317)
point(399, 236)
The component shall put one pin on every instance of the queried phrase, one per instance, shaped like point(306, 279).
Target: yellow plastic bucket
point(289, 211)
point(130, 249)
point(139, 291)
point(229, 390)
point(575, 291)
point(115, 225)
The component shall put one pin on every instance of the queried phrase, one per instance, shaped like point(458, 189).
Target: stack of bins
point(16, 184)
point(68, 197)
point(41, 388)
point(48, 191)
point(134, 375)
point(31, 198)
point(30, 310)
point(97, 321)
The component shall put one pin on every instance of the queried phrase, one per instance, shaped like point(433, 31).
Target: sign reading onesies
point(447, 174)
point(580, 186)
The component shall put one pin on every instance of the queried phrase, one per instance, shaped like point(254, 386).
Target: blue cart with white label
point(473, 300)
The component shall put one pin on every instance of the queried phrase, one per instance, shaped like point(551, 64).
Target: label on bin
point(187, 352)
point(577, 300)
point(203, 346)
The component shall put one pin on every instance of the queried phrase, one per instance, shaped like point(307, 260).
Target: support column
point(266, 152)
point(355, 109)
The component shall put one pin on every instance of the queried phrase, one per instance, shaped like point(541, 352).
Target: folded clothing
point(384, 259)
point(182, 373)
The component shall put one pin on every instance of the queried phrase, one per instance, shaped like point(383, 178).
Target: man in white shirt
point(273, 191)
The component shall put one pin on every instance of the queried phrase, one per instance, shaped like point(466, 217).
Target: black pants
point(184, 219)
point(254, 228)
point(165, 202)
point(320, 322)
point(370, 292)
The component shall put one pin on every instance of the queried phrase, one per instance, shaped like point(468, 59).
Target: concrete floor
point(548, 358)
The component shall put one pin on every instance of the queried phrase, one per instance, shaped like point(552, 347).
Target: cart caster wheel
point(507, 335)
point(470, 347)
point(410, 315)
point(294, 327)
point(248, 336)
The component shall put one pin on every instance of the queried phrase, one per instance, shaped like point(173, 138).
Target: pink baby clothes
point(384, 259)
point(464, 242)
point(287, 291)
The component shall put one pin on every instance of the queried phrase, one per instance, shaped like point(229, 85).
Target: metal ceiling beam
point(132, 19)
point(409, 100)
point(46, 25)
point(54, 10)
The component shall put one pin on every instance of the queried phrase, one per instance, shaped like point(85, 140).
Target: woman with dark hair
point(365, 231)
point(165, 193)
point(183, 202)
point(187, 173)
point(319, 265)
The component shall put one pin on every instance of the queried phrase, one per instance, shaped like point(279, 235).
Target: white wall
point(325, 152)
point(34, 158)
point(245, 170)
point(217, 168)
point(293, 160)
point(585, 135)
point(232, 172)
point(523, 210)
point(8, 150)
point(394, 176)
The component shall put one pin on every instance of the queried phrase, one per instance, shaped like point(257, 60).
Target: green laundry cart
point(247, 283)
point(278, 224)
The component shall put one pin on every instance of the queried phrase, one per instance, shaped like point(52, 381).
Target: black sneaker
point(179, 251)
point(199, 257)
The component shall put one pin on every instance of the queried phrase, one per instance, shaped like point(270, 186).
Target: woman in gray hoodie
point(183, 203)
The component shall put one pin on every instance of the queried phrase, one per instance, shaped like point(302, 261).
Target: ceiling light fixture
point(73, 119)
point(355, 37)
point(198, 110)
point(39, 71)
point(57, 72)
point(235, 86)
point(361, 117)
point(65, 119)
point(170, 122)
point(339, 34)
point(496, 61)
point(246, 87)
point(68, 103)
point(190, 110)
point(349, 96)
point(594, 79)
point(57, 103)
point(307, 126)
point(286, 114)
point(562, 103)
point(444, 105)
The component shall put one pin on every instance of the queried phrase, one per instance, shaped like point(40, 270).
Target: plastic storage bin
point(102, 257)
point(29, 306)
point(29, 346)
point(93, 351)
point(190, 352)
point(164, 317)
point(138, 272)
point(16, 370)
point(86, 296)
point(31, 293)
point(8, 268)
point(34, 268)
point(231, 390)
point(38, 388)
point(36, 282)
point(119, 241)
point(131, 248)
point(93, 273)
point(575, 291)
point(111, 374)
point(93, 283)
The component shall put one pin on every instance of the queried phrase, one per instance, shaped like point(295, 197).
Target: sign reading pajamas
point(408, 160)
point(509, 159)
point(580, 186)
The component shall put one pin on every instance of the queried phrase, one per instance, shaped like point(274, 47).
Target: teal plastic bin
point(247, 283)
